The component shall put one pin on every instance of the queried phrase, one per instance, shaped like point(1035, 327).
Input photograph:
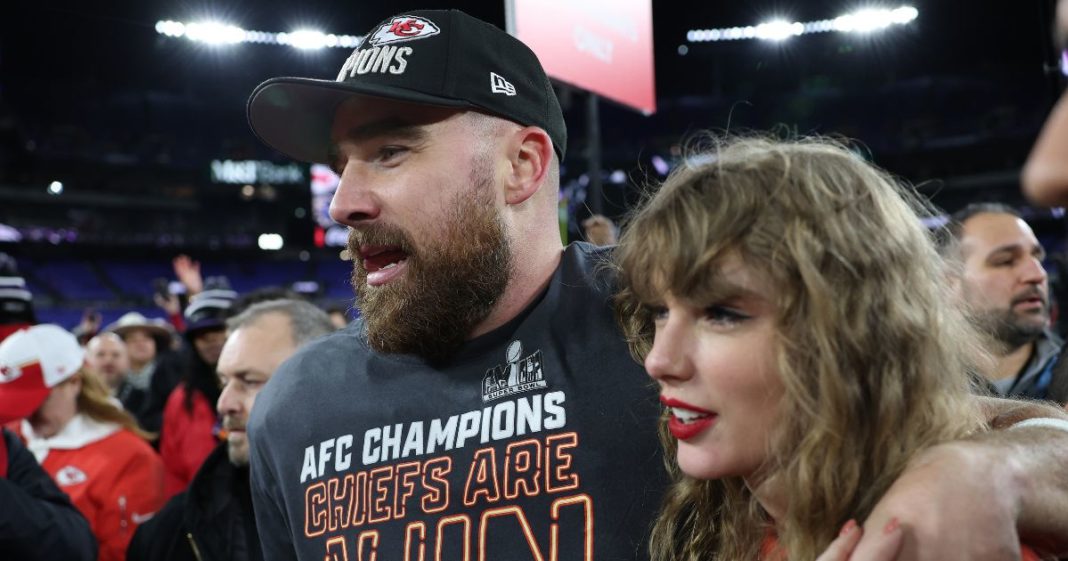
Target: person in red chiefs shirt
point(93, 449)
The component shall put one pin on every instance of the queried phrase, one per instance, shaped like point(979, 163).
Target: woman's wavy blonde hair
point(94, 401)
point(871, 350)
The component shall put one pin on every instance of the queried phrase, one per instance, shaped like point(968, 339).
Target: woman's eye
point(657, 313)
point(724, 315)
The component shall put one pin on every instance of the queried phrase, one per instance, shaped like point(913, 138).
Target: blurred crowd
point(122, 418)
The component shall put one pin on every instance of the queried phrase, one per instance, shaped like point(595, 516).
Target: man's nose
point(354, 200)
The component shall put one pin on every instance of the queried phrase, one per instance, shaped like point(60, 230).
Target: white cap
point(32, 362)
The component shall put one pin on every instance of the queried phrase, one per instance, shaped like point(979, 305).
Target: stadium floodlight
point(866, 20)
point(170, 28)
point(304, 39)
point(215, 33)
point(779, 30)
point(271, 242)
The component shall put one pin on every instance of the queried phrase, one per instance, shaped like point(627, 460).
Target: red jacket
point(186, 439)
point(111, 475)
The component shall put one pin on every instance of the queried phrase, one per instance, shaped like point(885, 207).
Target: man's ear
point(530, 154)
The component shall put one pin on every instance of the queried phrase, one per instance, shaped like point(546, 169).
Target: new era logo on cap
point(403, 28)
point(500, 85)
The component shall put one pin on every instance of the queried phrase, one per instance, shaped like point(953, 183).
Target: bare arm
point(1041, 464)
point(976, 498)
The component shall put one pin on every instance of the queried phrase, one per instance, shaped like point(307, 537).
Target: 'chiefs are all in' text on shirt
point(538, 441)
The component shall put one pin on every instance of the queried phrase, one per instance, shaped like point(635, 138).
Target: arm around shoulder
point(981, 497)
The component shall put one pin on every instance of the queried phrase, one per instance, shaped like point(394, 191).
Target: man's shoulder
point(343, 343)
point(314, 369)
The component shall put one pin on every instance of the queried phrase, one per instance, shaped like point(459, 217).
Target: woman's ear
point(530, 156)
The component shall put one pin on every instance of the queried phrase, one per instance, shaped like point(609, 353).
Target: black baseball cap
point(434, 57)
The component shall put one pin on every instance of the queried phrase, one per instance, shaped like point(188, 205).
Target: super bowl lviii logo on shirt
point(520, 374)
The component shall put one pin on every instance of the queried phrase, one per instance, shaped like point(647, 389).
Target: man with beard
point(213, 519)
point(485, 406)
point(1004, 283)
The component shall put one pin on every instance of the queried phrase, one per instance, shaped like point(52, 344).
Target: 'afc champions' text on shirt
point(494, 480)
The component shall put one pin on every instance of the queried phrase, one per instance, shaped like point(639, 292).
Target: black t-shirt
point(538, 441)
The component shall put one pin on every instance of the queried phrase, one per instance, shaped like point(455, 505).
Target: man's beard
point(451, 284)
point(238, 454)
point(1011, 330)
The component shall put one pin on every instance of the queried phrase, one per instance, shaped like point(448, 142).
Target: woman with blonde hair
point(793, 310)
point(91, 447)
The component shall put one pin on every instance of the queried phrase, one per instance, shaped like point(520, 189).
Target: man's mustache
point(1028, 294)
point(233, 423)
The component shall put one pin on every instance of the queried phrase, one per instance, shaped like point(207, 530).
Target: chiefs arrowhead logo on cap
point(403, 28)
point(9, 373)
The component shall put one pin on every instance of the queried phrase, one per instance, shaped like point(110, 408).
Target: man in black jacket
point(213, 519)
point(38, 521)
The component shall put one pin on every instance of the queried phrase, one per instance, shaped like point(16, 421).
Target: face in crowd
point(1003, 280)
point(58, 408)
point(418, 189)
point(140, 346)
point(249, 358)
point(209, 343)
point(107, 357)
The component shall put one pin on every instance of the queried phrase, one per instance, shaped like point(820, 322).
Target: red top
point(186, 438)
point(116, 482)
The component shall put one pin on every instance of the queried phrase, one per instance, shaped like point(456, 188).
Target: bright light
point(779, 30)
point(660, 165)
point(55, 188)
point(904, 14)
point(271, 242)
point(304, 39)
point(215, 33)
point(860, 21)
point(617, 177)
point(864, 21)
point(170, 28)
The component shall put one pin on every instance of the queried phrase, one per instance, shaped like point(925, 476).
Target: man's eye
point(387, 153)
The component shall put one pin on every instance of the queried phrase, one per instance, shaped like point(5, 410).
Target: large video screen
point(323, 185)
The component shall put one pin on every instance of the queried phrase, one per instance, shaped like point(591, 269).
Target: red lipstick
point(685, 430)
